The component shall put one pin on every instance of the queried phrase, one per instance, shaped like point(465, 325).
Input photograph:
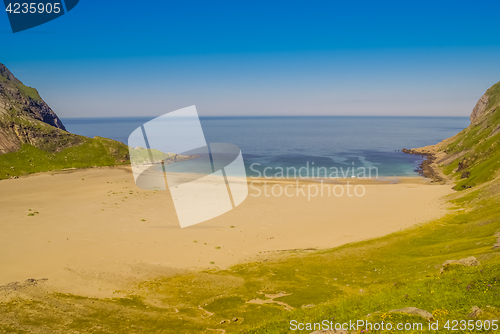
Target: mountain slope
point(33, 138)
point(26, 118)
point(17, 95)
point(475, 150)
point(472, 157)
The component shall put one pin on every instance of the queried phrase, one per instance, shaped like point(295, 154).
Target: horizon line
point(272, 116)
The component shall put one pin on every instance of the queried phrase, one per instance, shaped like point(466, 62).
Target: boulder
point(476, 311)
point(470, 261)
point(308, 306)
point(414, 311)
point(465, 175)
point(497, 244)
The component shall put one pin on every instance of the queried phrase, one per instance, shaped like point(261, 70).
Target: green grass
point(481, 146)
point(493, 96)
point(47, 148)
point(448, 297)
point(26, 91)
point(140, 155)
point(29, 92)
point(92, 153)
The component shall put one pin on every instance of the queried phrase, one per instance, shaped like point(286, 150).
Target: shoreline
point(127, 167)
point(333, 181)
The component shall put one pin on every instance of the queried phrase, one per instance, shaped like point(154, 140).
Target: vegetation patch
point(94, 152)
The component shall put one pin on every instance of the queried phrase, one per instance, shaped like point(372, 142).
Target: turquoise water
point(334, 143)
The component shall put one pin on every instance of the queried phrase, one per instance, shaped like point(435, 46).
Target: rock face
point(14, 94)
point(26, 118)
point(479, 109)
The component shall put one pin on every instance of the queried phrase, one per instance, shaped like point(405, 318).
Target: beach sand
point(96, 232)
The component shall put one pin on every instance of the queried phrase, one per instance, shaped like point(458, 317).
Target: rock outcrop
point(497, 244)
point(27, 99)
point(479, 109)
point(475, 312)
point(414, 311)
point(467, 262)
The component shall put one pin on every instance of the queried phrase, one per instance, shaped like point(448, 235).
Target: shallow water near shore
point(310, 144)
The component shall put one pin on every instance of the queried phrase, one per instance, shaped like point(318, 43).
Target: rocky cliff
point(16, 95)
point(25, 118)
point(479, 109)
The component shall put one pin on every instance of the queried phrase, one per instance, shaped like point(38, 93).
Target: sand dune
point(96, 232)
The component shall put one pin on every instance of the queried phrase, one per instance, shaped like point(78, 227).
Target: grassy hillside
point(47, 148)
point(476, 148)
point(27, 92)
point(91, 153)
point(33, 139)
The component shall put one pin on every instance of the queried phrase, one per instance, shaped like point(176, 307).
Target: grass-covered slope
point(33, 139)
point(90, 153)
point(474, 153)
point(21, 101)
point(27, 92)
point(44, 147)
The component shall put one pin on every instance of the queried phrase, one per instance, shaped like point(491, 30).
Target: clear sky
point(135, 58)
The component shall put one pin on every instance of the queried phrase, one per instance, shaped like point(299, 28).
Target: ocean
point(323, 144)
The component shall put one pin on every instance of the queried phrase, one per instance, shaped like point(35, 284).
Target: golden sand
point(95, 231)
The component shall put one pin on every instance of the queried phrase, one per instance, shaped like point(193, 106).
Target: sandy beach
point(93, 231)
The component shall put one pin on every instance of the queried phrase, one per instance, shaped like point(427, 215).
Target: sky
point(253, 58)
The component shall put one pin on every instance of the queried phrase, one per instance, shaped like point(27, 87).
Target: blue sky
point(133, 58)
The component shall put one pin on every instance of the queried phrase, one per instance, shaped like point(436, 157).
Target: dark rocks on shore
point(425, 168)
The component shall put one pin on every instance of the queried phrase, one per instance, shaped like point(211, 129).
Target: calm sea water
point(341, 142)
